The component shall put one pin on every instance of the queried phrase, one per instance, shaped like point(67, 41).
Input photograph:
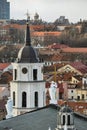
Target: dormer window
point(68, 69)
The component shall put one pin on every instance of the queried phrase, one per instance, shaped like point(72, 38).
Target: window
point(51, 63)
point(71, 91)
point(68, 120)
point(82, 96)
point(85, 85)
point(78, 97)
point(36, 99)
point(34, 74)
point(63, 119)
point(45, 63)
point(24, 100)
point(15, 74)
point(13, 98)
point(24, 70)
point(60, 95)
point(67, 69)
point(72, 97)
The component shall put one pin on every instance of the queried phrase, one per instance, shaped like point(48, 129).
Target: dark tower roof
point(65, 109)
point(27, 53)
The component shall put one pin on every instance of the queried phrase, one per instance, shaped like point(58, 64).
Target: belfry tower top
point(27, 53)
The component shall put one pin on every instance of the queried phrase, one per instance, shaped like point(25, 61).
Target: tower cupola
point(27, 53)
point(65, 119)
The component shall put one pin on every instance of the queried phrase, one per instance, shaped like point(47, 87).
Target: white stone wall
point(25, 83)
point(29, 75)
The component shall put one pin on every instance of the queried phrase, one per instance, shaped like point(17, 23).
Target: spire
point(28, 39)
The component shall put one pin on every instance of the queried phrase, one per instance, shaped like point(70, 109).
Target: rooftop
point(40, 119)
point(74, 50)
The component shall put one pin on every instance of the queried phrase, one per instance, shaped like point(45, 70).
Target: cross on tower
point(28, 15)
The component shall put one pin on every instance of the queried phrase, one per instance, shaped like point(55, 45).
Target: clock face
point(24, 70)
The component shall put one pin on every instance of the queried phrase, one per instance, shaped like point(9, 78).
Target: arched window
point(36, 99)
point(13, 98)
point(24, 99)
point(68, 120)
point(63, 119)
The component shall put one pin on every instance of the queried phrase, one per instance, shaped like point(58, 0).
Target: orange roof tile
point(46, 33)
point(37, 27)
point(74, 50)
point(17, 26)
point(57, 57)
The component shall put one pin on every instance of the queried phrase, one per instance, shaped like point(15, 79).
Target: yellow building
point(81, 94)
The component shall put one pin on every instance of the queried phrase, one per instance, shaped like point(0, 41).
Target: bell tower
point(28, 86)
point(65, 120)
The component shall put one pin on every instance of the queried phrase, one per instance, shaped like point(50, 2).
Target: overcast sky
point(49, 10)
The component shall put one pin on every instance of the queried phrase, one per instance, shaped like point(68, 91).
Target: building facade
point(4, 10)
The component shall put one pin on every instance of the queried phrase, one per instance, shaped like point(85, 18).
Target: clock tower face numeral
point(24, 70)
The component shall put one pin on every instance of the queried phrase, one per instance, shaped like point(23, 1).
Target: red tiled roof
point(56, 57)
point(79, 66)
point(76, 106)
point(17, 26)
point(74, 50)
point(37, 27)
point(4, 65)
point(58, 46)
point(46, 34)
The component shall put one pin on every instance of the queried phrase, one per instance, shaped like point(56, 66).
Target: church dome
point(27, 54)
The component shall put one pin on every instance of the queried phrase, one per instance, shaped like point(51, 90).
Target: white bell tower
point(28, 86)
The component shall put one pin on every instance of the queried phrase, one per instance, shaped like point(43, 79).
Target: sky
point(49, 10)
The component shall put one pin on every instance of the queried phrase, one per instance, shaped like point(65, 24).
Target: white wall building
point(28, 86)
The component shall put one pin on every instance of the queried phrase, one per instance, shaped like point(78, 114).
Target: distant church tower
point(65, 120)
point(36, 17)
point(28, 86)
